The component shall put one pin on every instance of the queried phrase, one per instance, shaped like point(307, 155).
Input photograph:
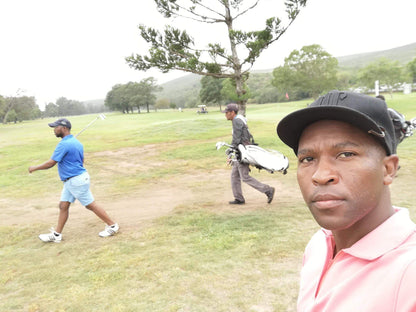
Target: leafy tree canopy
point(229, 93)
point(18, 108)
point(306, 73)
point(126, 97)
point(210, 92)
point(67, 107)
point(389, 73)
point(411, 68)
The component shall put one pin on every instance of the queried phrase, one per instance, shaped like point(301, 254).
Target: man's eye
point(305, 159)
point(346, 154)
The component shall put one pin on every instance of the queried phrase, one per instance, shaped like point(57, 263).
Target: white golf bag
point(269, 160)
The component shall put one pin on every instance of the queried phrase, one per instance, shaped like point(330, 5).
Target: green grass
point(193, 260)
point(202, 256)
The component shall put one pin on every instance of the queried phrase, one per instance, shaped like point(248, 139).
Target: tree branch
point(198, 17)
point(246, 10)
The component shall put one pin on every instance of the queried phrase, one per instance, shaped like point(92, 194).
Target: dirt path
point(145, 205)
point(137, 210)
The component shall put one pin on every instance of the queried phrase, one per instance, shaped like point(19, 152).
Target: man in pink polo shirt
point(364, 257)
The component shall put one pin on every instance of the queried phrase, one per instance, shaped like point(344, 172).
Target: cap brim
point(52, 124)
point(291, 127)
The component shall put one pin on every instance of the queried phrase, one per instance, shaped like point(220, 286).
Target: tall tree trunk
point(238, 78)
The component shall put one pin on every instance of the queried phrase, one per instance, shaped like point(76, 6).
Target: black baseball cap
point(362, 111)
point(60, 122)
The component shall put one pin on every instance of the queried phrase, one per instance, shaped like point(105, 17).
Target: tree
point(268, 94)
point(132, 95)
point(411, 68)
point(175, 49)
point(163, 103)
point(261, 88)
point(229, 93)
point(148, 87)
point(2, 106)
point(306, 73)
point(116, 99)
point(68, 107)
point(26, 109)
point(13, 109)
point(345, 80)
point(51, 110)
point(387, 72)
point(9, 104)
point(210, 92)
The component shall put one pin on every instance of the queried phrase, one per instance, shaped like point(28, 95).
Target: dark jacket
point(241, 134)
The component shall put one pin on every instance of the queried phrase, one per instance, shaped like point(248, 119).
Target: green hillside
point(182, 91)
point(402, 54)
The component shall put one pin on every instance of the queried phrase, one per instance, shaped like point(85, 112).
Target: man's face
point(343, 176)
point(59, 131)
point(230, 115)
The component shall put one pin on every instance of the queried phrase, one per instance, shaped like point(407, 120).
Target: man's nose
point(325, 173)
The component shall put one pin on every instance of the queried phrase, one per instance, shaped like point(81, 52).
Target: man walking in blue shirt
point(69, 154)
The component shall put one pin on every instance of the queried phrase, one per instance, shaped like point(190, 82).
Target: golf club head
point(218, 145)
point(102, 116)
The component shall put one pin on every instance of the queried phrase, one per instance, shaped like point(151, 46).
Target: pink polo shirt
point(376, 274)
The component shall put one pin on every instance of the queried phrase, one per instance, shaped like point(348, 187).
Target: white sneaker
point(110, 230)
point(51, 237)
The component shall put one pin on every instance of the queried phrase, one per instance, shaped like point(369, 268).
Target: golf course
point(181, 246)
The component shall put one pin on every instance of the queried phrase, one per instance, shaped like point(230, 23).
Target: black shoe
point(270, 195)
point(237, 202)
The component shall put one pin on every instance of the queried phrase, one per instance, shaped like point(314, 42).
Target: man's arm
point(238, 125)
point(46, 165)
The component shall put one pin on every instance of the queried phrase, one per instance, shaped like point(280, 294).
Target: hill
point(183, 91)
point(185, 83)
point(403, 54)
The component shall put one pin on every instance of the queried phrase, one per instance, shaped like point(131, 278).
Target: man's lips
point(326, 201)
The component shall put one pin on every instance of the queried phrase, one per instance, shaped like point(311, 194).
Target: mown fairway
point(181, 246)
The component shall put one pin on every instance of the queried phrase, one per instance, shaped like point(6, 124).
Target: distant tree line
point(18, 108)
point(66, 107)
point(306, 73)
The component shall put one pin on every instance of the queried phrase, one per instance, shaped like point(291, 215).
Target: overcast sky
point(76, 49)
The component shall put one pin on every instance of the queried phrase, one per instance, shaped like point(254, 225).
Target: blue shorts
point(78, 187)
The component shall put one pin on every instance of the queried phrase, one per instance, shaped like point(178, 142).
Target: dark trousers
point(241, 172)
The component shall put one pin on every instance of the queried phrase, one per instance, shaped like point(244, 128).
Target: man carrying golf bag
point(240, 171)
point(69, 154)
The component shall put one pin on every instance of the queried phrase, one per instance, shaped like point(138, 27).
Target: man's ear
point(391, 165)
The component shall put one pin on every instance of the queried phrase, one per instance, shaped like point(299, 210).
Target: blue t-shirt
point(69, 153)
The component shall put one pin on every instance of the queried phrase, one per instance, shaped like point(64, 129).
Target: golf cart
point(202, 109)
